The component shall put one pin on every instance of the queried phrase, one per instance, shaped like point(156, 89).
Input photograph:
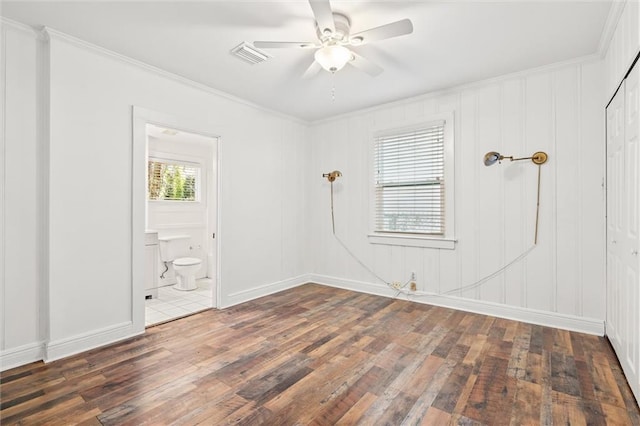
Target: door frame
point(140, 118)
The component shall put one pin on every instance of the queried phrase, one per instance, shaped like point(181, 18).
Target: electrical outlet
point(413, 286)
point(396, 284)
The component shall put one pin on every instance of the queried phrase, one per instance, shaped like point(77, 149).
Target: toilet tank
point(173, 247)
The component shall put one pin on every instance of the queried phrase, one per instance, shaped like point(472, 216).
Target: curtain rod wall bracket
point(539, 158)
point(332, 176)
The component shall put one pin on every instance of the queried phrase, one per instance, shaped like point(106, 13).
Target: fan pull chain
point(333, 87)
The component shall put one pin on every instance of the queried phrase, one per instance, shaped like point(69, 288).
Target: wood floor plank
point(525, 410)
point(431, 391)
point(567, 410)
point(356, 412)
point(492, 389)
point(452, 389)
point(372, 382)
point(433, 416)
point(317, 355)
point(518, 358)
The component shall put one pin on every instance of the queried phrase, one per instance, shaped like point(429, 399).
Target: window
point(172, 181)
point(412, 181)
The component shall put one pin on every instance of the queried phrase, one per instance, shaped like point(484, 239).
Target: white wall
point(274, 203)
point(89, 190)
point(557, 110)
point(91, 99)
point(19, 297)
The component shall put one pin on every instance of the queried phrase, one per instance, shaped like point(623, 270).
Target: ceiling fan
point(333, 30)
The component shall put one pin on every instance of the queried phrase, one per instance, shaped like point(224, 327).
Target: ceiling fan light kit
point(333, 32)
point(333, 58)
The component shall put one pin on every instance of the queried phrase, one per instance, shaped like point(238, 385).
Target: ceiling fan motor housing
point(342, 24)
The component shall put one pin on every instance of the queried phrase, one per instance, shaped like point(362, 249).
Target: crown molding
point(610, 25)
point(59, 35)
point(580, 60)
point(18, 26)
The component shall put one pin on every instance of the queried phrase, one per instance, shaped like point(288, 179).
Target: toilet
point(174, 250)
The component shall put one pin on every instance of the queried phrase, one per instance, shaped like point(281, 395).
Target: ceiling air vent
point(248, 53)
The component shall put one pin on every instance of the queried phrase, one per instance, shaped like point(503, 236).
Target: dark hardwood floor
point(319, 355)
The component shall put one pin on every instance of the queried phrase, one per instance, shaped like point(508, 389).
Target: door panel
point(623, 194)
point(615, 215)
point(630, 247)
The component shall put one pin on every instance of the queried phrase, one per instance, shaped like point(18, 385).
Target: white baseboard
point(62, 348)
point(83, 342)
point(15, 357)
point(263, 290)
point(532, 316)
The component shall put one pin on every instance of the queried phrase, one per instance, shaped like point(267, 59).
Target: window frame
point(445, 241)
point(180, 160)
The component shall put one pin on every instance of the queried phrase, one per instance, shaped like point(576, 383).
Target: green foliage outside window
point(172, 182)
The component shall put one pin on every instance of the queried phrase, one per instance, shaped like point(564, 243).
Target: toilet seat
point(187, 261)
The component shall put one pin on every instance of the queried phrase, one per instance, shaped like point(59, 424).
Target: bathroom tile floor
point(172, 303)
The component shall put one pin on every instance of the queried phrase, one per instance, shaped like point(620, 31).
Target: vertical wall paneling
point(512, 143)
point(3, 178)
point(539, 122)
point(489, 190)
point(20, 219)
point(466, 248)
point(592, 208)
point(568, 217)
point(550, 110)
point(357, 179)
point(42, 182)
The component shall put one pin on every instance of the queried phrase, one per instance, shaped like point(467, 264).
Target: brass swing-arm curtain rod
point(538, 158)
point(492, 157)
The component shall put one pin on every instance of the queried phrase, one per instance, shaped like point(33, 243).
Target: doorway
point(175, 198)
point(180, 211)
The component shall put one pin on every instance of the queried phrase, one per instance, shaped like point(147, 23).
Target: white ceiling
point(454, 42)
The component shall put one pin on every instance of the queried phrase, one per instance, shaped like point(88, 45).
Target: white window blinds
point(172, 181)
point(409, 187)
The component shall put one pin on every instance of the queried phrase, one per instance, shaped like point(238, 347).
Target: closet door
point(623, 193)
point(615, 216)
point(630, 330)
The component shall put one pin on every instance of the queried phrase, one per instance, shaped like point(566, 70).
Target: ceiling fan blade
point(313, 69)
point(284, 44)
point(323, 14)
point(383, 32)
point(365, 65)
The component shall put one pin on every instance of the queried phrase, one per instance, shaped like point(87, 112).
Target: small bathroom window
point(172, 181)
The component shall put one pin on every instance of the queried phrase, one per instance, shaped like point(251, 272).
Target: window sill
point(413, 241)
